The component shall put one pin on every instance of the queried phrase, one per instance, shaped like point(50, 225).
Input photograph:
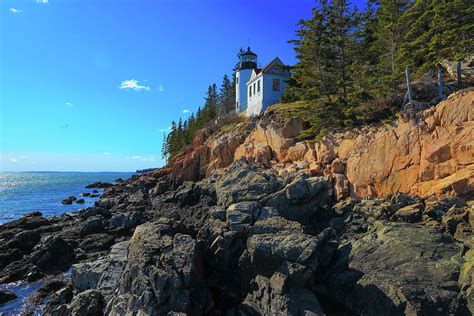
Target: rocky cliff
point(424, 153)
point(295, 228)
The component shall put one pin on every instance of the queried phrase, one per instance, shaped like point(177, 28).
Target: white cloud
point(186, 111)
point(42, 1)
point(150, 158)
point(68, 103)
point(13, 158)
point(133, 84)
point(15, 10)
point(161, 88)
point(142, 158)
point(107, 154)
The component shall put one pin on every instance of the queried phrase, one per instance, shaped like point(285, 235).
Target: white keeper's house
point(258, 88)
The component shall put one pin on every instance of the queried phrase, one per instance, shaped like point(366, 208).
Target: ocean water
point(22, 193)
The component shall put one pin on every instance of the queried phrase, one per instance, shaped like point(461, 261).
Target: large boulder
point(109, 279)
point(28, 222)
point(89, 302)
point(126, 221)
point(305, 199)
point(6, 296)
point(245, 182)
point(102, 274)
point(160, 275)
point(53, 255)
point(240, 215)
point(268, 298)
point(405, 268)
point(265, 253)
point(86, 275)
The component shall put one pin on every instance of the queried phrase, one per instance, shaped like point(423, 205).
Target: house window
point(276, 84)
point(258, 86)
point(250, 91)
point(254, 87)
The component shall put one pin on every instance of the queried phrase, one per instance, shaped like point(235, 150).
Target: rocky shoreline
point(255, 221)
point(246, 241)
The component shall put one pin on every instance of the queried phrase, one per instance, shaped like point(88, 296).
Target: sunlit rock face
point(424, 153)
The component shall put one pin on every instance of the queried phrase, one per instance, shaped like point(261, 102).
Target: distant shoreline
point(68, 172)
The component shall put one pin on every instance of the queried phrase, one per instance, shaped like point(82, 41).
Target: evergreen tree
point(239, 56)
point(211, 103)
point(351, 63)
point(226, 96)
point(436, 30)
point(388, 38)
point(165, 148)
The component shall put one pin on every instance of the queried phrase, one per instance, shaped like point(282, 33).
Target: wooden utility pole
point(458, 71)
point(440, 81)
point(409, 89)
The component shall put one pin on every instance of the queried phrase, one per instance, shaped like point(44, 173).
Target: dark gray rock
point(93, 225)
point(29, 221)
point(89, 302)
point(53, 255)
point(266, 252)
point(410, 213)
point(241, 215)
point(6, 296)
point(405, 268)
point(109, 279)
point(86, 275)
point(25, 240)
point(274, 225)
point(126, 221)
point(268, 298)
point(97, 242)
point(305, 200)
point(99, 185)
point(245, 182)
point(160, 274)
point(69, 200)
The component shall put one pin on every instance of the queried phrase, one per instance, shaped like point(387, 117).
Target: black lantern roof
point(249, 53)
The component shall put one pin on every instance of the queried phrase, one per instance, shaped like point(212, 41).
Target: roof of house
point(270, 64)
point(265, 68)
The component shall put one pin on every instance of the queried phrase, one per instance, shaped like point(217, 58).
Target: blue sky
point(89, 85)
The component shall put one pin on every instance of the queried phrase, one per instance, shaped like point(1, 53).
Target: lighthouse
point(248, 62)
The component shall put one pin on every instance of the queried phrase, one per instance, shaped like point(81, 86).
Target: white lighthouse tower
point(248, 62)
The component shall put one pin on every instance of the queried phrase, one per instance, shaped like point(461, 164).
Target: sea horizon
point(23, 192)
point(55, 171)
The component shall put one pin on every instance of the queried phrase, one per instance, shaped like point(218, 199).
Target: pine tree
point(165, 148)
point(226, 97)
point(388, 38)
point(211, 102)
point(436, 30)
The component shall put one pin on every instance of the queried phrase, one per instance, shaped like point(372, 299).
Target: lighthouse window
point(276, 84)
point(258, 86)
point(237, 80)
